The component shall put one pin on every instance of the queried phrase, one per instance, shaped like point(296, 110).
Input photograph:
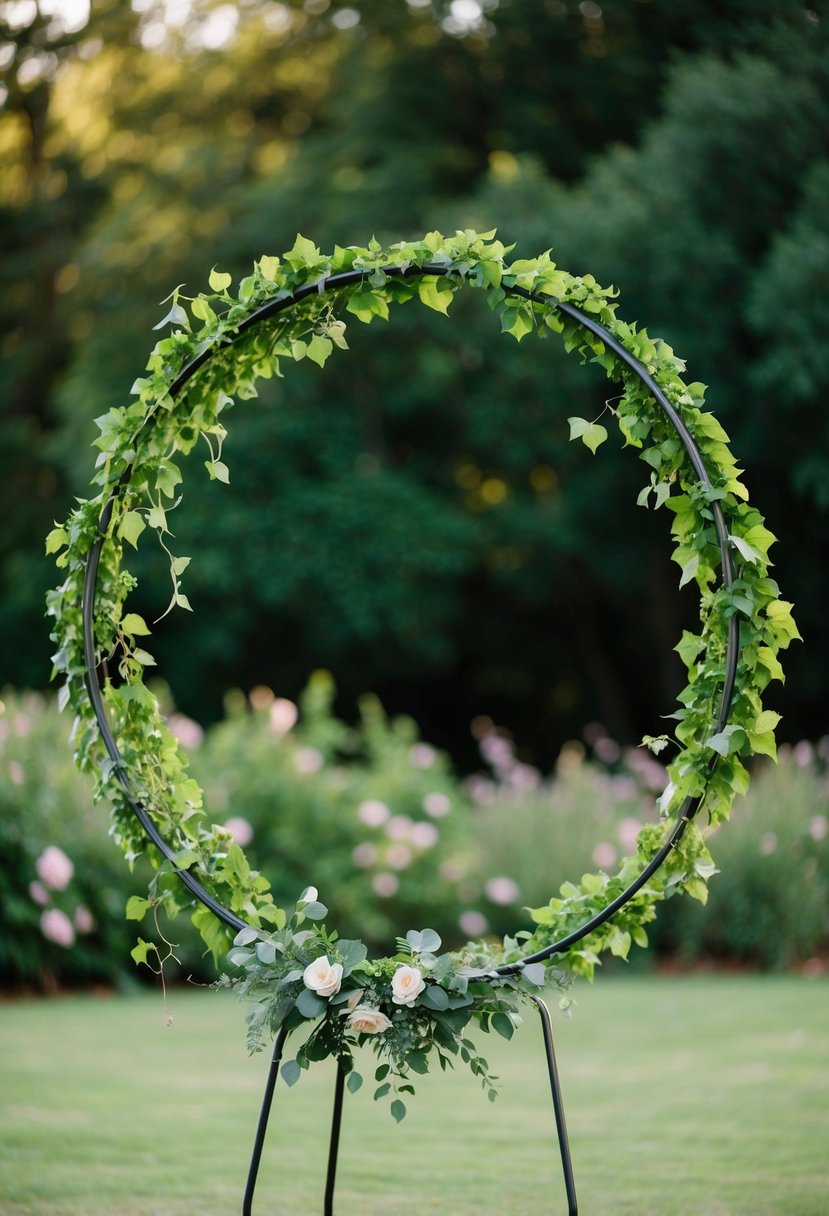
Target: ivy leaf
point(56, 539)
point(140, 951)
point(157, 518)
point(217, 470)
point(219, 280)
point(367, 304)
point(202, 311)
point(433, 296)
point(319, 349)
point(134, 625)
point(176, 316)
point(729, 739)
point(304, 253)
point(689, 570)
point(269, 267)
point(137, 908)
point(167, 478)
point(746, 550)
point(592, 434)
point(131, 526)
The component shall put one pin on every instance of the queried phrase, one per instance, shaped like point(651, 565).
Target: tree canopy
point(420, 527)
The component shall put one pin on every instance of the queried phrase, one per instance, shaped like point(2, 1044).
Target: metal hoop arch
point(691, 805)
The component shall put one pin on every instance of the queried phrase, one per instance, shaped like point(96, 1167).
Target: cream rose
point(323, 977)
point(406, 985)
point(367, 1021)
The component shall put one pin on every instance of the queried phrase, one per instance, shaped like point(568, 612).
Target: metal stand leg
point(334, 1147)
point(267, 1099)
point(558, 1107)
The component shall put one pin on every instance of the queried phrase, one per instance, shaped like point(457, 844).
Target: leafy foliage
point(137, 481)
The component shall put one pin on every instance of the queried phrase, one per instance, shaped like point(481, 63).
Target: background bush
point(377, 820)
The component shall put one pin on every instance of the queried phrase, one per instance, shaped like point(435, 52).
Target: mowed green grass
point(685, 1097)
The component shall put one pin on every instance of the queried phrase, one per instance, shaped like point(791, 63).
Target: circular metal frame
point(690, 805)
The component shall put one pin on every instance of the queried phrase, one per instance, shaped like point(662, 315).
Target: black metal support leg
point(334, 1147)
point(273, 1073)
point(558, 1107)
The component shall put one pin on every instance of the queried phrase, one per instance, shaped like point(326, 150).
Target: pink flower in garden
point(283, 716)
point(818, 827)
point(399, 856)
point(54, 868)
point(452, 870)
point(22, 726)
point(188, 732)
point(421, 755)
point(57, 927)
point(627, 831)
point(84, 920)
point(604, 855)
point(768, 843)
point(240, 830)
point(473, 923)
point(365, 854)
point(308, 760)
point(373, 813)
point(481, 789)
point(524, 776)
point(261, 697)
point(399, 827)
point(502, 890)
point(16, 772)
point(385, 884)
point(496, 750)
point(424, 835)
point(38, 894)
point(624, 788)
point(607, 750)
point(437, 805)
point(803, 753)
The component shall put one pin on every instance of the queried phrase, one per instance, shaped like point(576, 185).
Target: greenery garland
point(417, 1001)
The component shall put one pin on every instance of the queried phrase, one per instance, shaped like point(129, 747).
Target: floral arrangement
point(292, 309)
point(405, 1007)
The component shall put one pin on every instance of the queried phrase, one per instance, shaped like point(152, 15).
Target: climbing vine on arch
point(220, 343)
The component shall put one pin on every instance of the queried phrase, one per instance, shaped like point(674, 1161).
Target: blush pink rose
point(406, 985)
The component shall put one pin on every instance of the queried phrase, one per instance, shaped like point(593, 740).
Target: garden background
point(413, 520)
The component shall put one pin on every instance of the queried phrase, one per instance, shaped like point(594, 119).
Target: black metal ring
point(689, 807)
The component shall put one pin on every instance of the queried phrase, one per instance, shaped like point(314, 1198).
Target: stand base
point(336, 1121)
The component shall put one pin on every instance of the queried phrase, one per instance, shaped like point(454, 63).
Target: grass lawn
point(685, 1097)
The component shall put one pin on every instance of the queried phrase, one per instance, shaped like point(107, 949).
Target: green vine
point(281, 958)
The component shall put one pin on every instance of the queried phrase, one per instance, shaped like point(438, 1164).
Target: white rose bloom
point(323, 977)
point(406, 985)
point(367, 1021)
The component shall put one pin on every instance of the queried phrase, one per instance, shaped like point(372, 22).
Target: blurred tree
point(429, 533)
